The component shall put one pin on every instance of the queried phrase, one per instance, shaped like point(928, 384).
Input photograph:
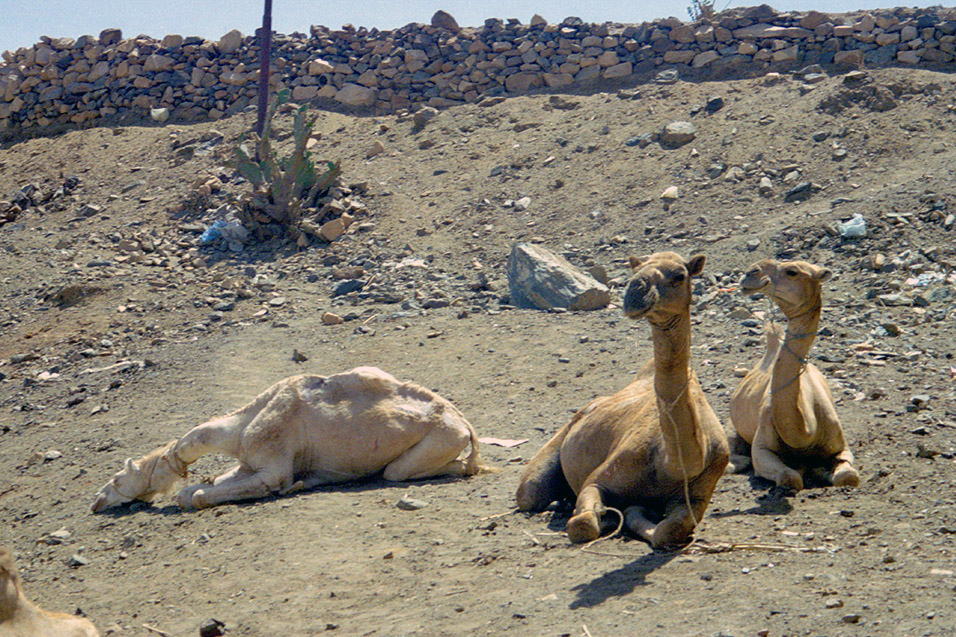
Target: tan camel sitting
point(783, 408)
point(19, 617)
point(654, 449)
point(306, 431)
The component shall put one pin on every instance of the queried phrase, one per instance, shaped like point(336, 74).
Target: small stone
point(277, 301)
point(834, 603)
point(377, 148)
point(423, 116)
point(77, 561)
point(298, 357)
point(766, 186)
point(89, 210)
point(670, 193)
point(411, 504)
point(740, 372)
point(328, 318)
point(678, 133)
point(211, 628)
point(714, 104)
point(851, 618)
point(920, 401)
point(522, 204)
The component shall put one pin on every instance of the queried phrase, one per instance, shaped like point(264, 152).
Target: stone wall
point(70, 82)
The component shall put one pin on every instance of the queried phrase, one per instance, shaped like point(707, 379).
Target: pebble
point(211, 628)
point(77, 561)
point(411, 504)
point(277, 301)
point(298, 357)
point(851, 618)
point(328, 318)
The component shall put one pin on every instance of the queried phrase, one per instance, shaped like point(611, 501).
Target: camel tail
point(473, 463)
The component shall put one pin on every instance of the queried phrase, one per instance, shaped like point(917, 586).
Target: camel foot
point(638, 522)
point(671, 532)
point(584, 527)
point(790, 479)
point(738, 464)
point(185, 497)
point(846, 476)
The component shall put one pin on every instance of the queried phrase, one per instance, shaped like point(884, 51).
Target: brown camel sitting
point(306, 431)
point(654, 449)
point(783, 408)
point(19, 617)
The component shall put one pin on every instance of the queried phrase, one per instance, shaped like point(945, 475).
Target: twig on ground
point(157, 631)
point(700, 546)
point(533, 538)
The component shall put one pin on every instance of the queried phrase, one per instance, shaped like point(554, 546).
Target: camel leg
point(585, 524)
point(244, 484)
point(220, 435)
point(638, 522)
point(768, 465)
point(542, 482)
point(844, 475)
point(739, 455)
point(434, 455)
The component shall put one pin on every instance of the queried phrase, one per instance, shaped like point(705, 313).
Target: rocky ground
point(120, 331)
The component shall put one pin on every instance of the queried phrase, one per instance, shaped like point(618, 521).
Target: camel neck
point(785, 385)
point(9, 600)
point(682, 445)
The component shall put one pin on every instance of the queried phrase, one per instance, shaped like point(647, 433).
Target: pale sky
point(24, 21)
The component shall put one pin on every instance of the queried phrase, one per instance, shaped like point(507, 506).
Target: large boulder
point(540, 279)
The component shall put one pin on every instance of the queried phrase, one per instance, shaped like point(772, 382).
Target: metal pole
point(265, 45)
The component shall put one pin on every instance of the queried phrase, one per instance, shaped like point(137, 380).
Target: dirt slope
point(206, 328)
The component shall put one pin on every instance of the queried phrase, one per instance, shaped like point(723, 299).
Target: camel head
point(142, 479)
point(660, 287)
point(9, 578)
point(793, 285)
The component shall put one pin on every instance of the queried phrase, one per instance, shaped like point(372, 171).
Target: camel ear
point(823, 274)
point(696, 265)
point(128, 466)
point(636, 261)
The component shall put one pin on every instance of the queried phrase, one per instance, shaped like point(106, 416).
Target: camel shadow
point(620, 582)
point(372, 483)
point(773, 501)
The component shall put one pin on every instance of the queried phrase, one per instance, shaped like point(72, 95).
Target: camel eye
point(790, 272)
point(678, 279)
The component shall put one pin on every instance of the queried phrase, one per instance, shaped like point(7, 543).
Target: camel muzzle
point(639, 298)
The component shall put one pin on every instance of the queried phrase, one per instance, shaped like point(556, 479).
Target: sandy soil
point(876, 560)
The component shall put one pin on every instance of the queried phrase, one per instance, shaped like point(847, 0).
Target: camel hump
point(361, 381)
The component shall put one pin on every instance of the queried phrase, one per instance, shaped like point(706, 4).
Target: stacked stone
point(66, 81)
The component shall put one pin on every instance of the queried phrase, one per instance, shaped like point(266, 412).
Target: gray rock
point(411, 504)
point(346, 286)
point(540, 279)
point(678, 133)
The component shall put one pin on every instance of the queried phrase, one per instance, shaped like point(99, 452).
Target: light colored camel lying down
point(19, 617)
point(306, 431)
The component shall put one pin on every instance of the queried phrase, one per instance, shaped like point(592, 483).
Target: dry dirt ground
point(205, 329)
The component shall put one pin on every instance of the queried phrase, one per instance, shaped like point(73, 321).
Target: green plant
point(283, 187)
point(701, 9)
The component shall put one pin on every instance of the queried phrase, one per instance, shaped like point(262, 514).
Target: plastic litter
point(855, 228)
point(231, 231)
point(212, 233)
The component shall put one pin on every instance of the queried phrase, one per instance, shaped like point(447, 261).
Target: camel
point(19, 617)
point(307, 431)
point(654, 449)
point(783, 407)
